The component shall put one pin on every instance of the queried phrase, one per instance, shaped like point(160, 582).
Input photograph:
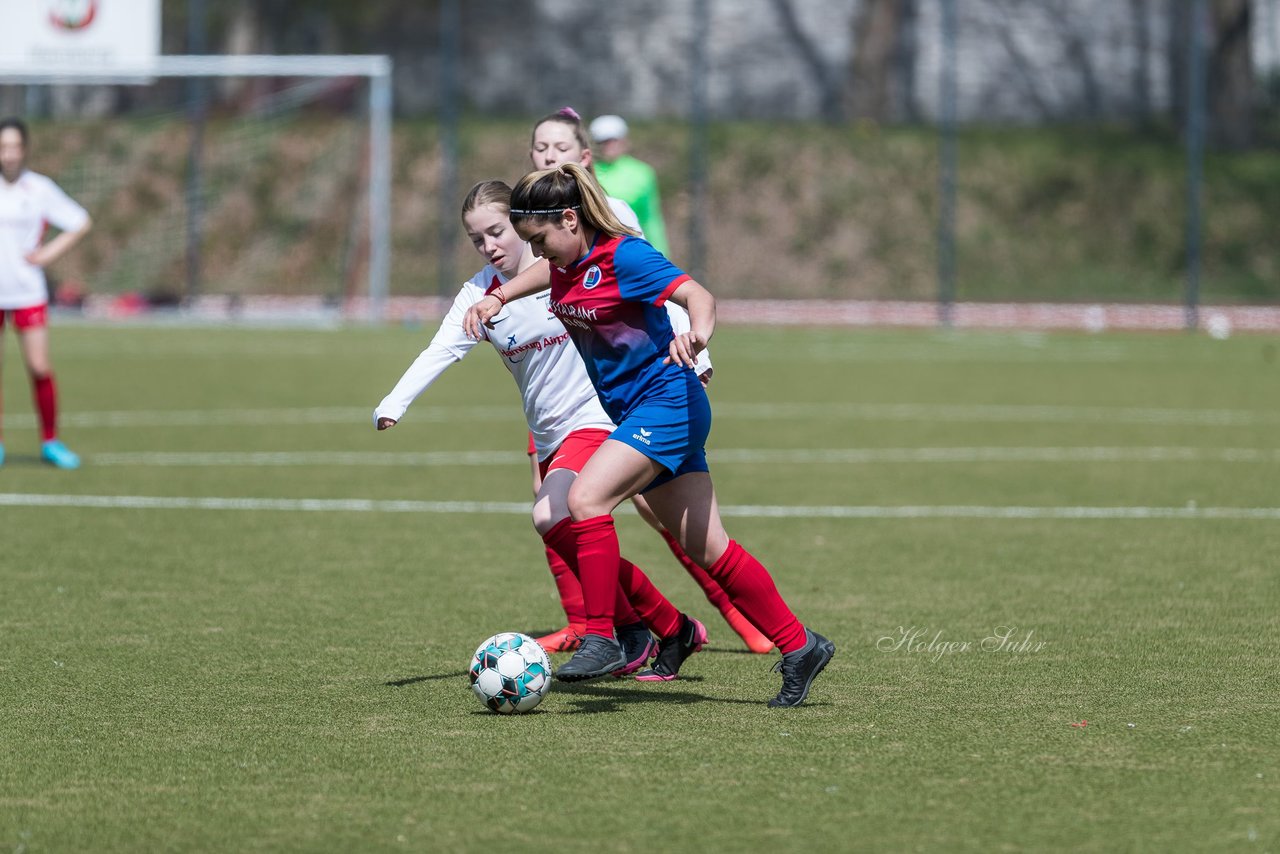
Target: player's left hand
point(480, 315)
point(684, 350)
point(36, 257)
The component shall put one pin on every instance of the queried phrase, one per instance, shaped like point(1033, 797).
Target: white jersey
point(679, 317)
point(26, 207)
point(557, 394)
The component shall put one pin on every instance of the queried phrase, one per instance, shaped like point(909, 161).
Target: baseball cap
point(608, 127)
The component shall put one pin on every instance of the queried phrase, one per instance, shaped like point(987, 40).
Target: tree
point(820, 71)
point(1226, 34)
point(880, 31)
point(1231, 83)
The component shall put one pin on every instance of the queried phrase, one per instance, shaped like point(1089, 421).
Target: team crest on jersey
point(592, 278)
point(72, 14)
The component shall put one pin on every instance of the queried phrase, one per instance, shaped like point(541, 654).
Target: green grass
point(228, 680)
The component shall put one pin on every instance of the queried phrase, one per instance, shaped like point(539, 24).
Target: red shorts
point(34, 317)
point(574, 451)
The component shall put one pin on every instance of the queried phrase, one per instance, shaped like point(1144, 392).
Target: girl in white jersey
point(560, 404)
point(561, 138)
point(29, 202)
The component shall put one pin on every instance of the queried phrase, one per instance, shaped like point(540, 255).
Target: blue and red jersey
point(612, 303)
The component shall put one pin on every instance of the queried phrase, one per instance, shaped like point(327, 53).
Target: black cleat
point(637, 647)
point(674, 650)
point(598, 656)
point(800, 668)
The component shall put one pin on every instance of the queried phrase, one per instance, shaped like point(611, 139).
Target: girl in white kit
point(29, 203)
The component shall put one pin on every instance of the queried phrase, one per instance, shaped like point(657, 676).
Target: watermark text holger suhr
point(919, 640)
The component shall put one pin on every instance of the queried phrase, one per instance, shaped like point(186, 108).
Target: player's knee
point(584, 503)
point(544, 519)
point(705, 550)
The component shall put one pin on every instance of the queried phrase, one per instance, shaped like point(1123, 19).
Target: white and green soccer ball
point(510, 673)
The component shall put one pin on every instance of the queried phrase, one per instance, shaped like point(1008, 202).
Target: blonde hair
point(492, 192)
point(545, 195)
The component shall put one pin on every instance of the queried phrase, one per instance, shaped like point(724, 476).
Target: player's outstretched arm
point(447, 347)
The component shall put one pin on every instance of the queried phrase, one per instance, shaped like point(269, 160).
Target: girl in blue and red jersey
point(563, 414)
point(557, 138)
point(608, 287)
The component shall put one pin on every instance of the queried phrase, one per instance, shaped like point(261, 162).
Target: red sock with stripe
point(752, 591)
point(611, 606)
point(562, 543)
point(46, 395)
point(569, 588)
point(655, 609)
point(715, 595)
point(598, 559)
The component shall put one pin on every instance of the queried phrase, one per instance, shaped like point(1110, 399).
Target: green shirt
point(636, 183)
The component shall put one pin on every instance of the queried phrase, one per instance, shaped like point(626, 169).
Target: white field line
point(980, 413)
point(728, 455)
point(327, 505)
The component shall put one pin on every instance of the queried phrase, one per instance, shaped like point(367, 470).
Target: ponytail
point(543, 196)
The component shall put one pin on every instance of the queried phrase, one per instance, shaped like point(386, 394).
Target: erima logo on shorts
point(592, 278)
point(643, 436)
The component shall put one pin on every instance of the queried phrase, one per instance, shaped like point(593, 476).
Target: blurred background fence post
point(196, 109)
point(698, 157)
point(947, 164)
point(380, 158)
point(1198, 35)
point(450, 39)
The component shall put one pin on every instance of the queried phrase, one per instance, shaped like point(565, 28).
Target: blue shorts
point(671, 430)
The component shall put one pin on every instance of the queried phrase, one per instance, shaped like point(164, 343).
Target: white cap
point(609, 127)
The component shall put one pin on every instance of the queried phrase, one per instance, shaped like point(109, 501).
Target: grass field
point(269, 654)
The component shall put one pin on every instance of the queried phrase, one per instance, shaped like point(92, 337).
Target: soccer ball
point(510, 673)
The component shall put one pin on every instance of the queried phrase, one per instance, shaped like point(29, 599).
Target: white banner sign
point(89, 34)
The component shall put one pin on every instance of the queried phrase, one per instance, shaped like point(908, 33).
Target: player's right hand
point(479, 315)
point(384, 423)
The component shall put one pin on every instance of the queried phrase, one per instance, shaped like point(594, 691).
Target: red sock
point(752, 591)
point(46, 394)
point(715, 594)
point(562, 543)
point(598, 559)
point(569, 588)
point(623, 612)
point(656, 611)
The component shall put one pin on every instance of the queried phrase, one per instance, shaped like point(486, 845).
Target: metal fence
point(929, 151)
point(999, 150)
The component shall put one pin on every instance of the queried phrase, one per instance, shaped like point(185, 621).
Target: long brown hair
point(545, 195)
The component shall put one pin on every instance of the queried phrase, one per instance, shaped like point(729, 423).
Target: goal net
point(220, 185)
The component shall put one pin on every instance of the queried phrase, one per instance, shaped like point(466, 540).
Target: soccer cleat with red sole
point(567, 639)
point(751, 636)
